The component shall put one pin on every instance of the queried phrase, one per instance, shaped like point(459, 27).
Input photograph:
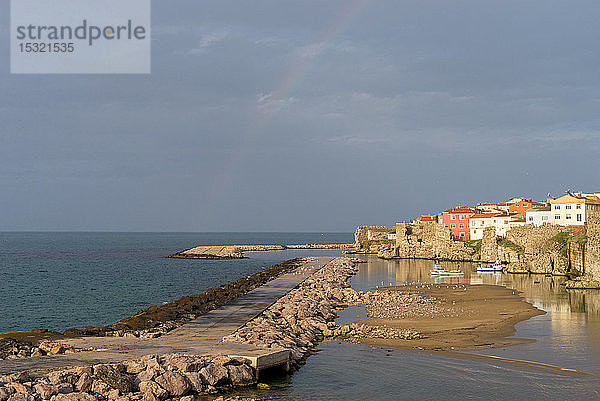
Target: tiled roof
point(483, 215)
point(571, 198)
point(539, 209)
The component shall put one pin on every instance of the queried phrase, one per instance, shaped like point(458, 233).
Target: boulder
point(114, 378)
point(100, 387)
point(5, 393)
point(20, 377)
point(153, 388)
point(241, 375)
point(20, 388)
point(21, 397)
point(195, 379)
point(174, 383)
point(84, 384)
point(61, 376)
point(147, 375)
point(75, 397)
point(53, 348)
point(134, 367)
point(214, 374)
point(65, 388)
point(46, 390)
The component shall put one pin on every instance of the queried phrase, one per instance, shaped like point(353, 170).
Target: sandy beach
point(450, 317)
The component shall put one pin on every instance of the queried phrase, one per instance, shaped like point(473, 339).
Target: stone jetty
point(237, 251)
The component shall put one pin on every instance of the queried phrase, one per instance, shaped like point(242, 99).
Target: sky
point(308, 116)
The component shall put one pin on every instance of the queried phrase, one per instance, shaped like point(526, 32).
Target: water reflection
point(567, 336)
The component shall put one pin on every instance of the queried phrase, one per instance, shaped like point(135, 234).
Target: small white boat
point(496, 267)
point(438, 270)
point(451, 273)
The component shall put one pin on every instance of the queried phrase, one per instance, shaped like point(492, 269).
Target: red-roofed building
point(428, 218)
point(523, 206)
point(494, 206)
point(457, 220)
point(479, 222)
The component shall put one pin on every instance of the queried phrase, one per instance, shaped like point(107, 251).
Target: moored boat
point(496, 267)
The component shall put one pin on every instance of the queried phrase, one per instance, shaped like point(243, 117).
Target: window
point(462, 216)
point(453, 225)
point(579, 217)
point(462, 235)
point(481, 223)
point(568, 216)
point(453, 217)
point(530, 218)
point(462, 225)
point(568, 207)
point(556, 207)
point(557, 217)
point(578, 206)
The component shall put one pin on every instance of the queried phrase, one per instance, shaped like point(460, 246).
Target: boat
point(451, 273)
point(496, 267)
point(439, 270)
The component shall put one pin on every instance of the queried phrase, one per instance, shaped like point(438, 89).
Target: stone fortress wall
point(527, 249)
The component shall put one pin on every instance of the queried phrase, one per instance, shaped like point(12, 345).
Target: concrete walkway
point(199, 336)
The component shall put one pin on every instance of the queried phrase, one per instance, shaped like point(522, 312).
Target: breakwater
point(189, 360)
point(237, 251)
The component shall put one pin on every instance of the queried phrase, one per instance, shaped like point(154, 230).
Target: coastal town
point(468, 223)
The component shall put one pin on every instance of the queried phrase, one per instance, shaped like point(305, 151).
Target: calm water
point(62, 280)
point(567, 336)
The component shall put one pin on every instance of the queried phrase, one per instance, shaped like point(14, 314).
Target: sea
point(59, 280)
point(62, 280)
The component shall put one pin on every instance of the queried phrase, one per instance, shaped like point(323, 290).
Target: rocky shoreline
point(305, 316)
point(298, 321)
point(152, 378)
point(149, 323)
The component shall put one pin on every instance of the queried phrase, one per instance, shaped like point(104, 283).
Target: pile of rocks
point(298, 320)
point(394, 304)
point(12, 349)
point(354, 332)
point(152, 378)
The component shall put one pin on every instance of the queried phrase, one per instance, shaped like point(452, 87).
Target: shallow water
point(568, 336)
point(62, 280)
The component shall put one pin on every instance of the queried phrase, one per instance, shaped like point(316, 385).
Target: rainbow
point(291, 80)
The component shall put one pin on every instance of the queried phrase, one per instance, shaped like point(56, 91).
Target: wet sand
point(467, 317)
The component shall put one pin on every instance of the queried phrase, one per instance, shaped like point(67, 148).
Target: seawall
point(237, 251)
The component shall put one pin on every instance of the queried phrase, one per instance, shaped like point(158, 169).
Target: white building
point(538, 215)
point(502, 222)
point(478, 223)
point(505, 221)
point(570, 209)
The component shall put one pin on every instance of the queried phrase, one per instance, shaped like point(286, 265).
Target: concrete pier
point(201, 336)
point(237, 251)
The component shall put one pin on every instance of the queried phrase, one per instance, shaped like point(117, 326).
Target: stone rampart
point(370, 238)
point(428, 240)
point(590, 277)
